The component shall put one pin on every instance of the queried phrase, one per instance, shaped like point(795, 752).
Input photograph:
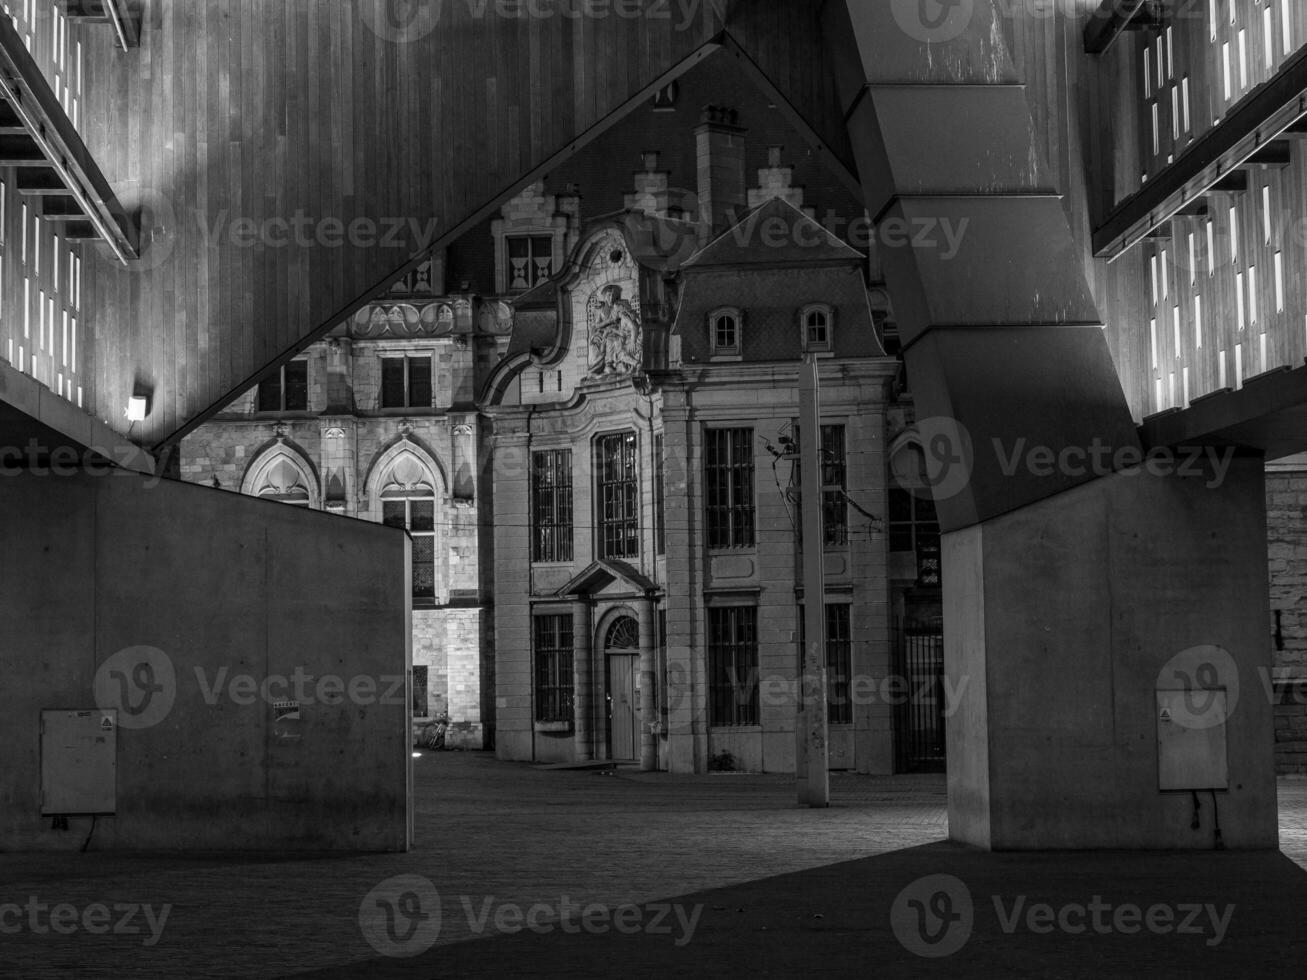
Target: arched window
point(724, 332)
point(408, 501)
point(624, 634)
point(282, 476)
point(818, 323)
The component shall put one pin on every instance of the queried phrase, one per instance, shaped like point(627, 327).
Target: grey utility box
point(1191, 736)
point(79, 761)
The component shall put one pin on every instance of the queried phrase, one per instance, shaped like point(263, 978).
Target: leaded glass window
point(619, 496)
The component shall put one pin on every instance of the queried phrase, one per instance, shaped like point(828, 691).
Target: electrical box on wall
point(79, 762)
point(1191, 739)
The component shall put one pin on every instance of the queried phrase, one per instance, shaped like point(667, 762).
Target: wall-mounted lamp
point(138, 406)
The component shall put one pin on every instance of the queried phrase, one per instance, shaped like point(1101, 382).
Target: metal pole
point(813, 775)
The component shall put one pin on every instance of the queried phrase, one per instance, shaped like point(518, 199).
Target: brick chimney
point(723, 193)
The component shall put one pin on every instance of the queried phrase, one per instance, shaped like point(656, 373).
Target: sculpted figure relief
point(615, 346)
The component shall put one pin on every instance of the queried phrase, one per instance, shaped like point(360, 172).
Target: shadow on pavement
point(1108, 914)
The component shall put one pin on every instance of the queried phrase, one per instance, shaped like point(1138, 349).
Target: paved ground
point(717, 874)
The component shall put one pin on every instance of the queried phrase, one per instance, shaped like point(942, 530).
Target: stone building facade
point(378, 421)
point(644, 437)
point(1286, 507)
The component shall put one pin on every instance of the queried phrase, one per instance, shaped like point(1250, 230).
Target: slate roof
point(774, 233)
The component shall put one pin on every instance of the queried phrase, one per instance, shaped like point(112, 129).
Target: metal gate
point(919, 713)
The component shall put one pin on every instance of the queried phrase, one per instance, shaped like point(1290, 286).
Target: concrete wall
point(221, 586)
point(1115, 579)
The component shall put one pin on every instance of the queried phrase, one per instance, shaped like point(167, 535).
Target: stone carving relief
point(408, 474)
point(616, 337)
point(496, 317)
point(403, 320)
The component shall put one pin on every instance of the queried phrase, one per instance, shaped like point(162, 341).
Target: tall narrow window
point(1243, 59)
point(660, 499)
point(834, 505)
point(551, 505)
point(728, 487)
point(406, 382)
point(733, 665)
point(1266, 212)
point(286, 390)
point(1198, 322)
point(1268, 34)
point(420, 688)
point(554, 685)
point(415, 511)
point(1279, 282)
point(1252, 294)
point(619, 496)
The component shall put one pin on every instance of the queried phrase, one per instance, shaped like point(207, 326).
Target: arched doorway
point(622, 656)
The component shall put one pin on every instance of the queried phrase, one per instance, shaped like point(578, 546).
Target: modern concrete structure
point(247, 665)
point(1085, 229)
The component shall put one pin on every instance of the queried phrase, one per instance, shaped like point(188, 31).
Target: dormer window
point(724, 327)
point(533, 235)
point(818, 329)
point(530, 260)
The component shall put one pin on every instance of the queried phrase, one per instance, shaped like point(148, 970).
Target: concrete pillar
point(1064, 620)
point(648, 699)
point(582, 673)
point(1067, 592)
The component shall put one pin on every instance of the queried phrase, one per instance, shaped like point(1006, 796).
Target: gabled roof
point(752, 240)
point(602, 574)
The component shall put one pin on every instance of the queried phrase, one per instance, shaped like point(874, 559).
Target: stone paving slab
point(496, 838)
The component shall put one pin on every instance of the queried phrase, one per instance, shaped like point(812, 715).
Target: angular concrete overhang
point(40, 429)
point(1002, 340)
point(1112, 19)
point(1269, 111)
point(113, 12)
point(54, 163)
point(1267, 415)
